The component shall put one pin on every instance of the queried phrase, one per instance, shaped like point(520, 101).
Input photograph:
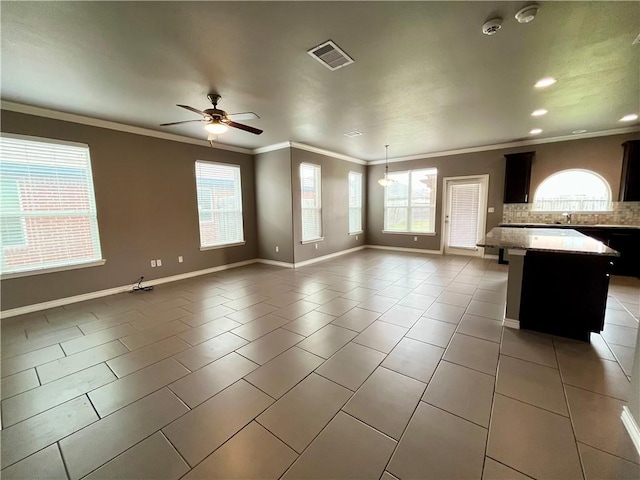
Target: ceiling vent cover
point(330, 55)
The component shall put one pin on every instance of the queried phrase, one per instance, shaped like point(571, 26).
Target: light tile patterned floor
point(372, 365)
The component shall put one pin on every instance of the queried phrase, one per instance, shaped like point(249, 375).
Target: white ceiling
point(425, 78)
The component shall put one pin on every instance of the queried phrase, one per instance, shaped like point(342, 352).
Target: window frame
point(213, 210)
point(318, 202)
point(410, 206)
point(356, 176)
point(91, 215)
point(604, 181)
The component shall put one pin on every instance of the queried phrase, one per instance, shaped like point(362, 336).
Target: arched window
point(573, 191)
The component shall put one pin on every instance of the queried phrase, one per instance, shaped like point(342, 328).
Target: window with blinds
point(410, 202)
point(355, 202)
point(48, 216)
point(311, 202)
point(219, 193)
point(463, 223)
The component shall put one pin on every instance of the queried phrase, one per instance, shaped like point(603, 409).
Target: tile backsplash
point(622, 213)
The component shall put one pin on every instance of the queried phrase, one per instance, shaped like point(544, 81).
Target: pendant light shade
point(386, 181)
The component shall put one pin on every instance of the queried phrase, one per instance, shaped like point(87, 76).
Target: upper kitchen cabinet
point(518, 177)
point(630, 181)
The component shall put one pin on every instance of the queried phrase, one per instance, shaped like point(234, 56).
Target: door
point(464, 214)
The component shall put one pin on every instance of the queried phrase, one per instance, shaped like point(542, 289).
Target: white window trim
point(590, 212)
point(233, 243)
point(304, 241)
point(409, 206)
point(415, 234)
point(71, 266)
point(359, 176)
point(41, 271)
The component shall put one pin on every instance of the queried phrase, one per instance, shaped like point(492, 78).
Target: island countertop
point(546, 240)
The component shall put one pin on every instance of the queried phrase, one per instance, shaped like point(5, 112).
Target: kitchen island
point(558, 279)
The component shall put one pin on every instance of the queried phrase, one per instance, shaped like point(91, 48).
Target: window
point(48, 218)
point(410, 202)
point(219, 204)
point(311, 199)
point(355, 202)
point(573, 191)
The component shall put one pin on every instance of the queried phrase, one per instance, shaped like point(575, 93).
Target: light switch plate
point(491, 210)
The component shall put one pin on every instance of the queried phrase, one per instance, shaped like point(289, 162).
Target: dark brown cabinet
point(630, 181)
point(517, 177)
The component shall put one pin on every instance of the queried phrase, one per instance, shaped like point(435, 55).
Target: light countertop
point(546, 240)
point(566, 225)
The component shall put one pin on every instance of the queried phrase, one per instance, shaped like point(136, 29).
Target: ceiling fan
point(217, 121)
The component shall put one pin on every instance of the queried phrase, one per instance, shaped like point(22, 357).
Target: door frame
point(482, 217)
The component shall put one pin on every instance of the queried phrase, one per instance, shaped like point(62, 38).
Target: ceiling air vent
point(354, 133)
point(330, 55)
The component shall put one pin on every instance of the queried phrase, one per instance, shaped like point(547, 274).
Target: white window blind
point(48, 209)
point(310, 194)
point(573, 191)
point(410, 202)
point(219, 204)
point(463, 223)
point(355, 202)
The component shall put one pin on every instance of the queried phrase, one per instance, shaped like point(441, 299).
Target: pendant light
point(386, 181)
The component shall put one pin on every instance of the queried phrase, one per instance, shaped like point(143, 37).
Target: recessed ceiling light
point(579, 131)
point(536, 131)
point(629, 118)
point(545, 82)
point(539, 112)
point(354, 133)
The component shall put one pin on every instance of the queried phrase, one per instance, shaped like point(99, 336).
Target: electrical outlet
point(315, 245)
point(415, 239)
point(153, 264)
point(277, 249)
point(159, 262)
point(180, 259)
point(356, 237)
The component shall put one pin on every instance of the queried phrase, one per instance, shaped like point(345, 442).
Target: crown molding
point(308, 148)
point(523, 143)
point(271, 148)
point(121, 127)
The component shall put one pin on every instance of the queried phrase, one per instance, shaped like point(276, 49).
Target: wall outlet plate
point(180, 259)
point(491, 210)
point(159, 262)
point(153, 264)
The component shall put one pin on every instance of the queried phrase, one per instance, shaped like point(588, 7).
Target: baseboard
point(404, 249)
point(113, 291)
point(329, 256)
point(511, 323)
point(490, 257)
point(275, 263)
point(632, 427)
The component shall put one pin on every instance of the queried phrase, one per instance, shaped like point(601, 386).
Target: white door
point(464, 214)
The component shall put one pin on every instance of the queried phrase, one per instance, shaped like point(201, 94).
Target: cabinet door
point(517, 177)
point(630, 181)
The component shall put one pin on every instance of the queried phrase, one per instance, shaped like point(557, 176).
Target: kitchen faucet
point(568, 215)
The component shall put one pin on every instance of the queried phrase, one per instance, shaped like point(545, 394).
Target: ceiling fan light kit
point(218, 121)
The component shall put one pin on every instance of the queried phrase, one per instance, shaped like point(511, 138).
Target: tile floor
point(372, 365)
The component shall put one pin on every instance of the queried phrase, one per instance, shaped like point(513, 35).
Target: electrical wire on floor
point(137, 287)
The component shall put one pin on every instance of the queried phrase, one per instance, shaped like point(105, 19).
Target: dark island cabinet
point(630, 181)
point(517, 177)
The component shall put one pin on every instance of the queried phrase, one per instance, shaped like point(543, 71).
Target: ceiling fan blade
point(246, 128)
point(243, 116)
point(177, 123)
point(192, 109)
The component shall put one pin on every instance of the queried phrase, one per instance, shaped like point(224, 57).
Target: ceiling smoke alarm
point(492, 26)
point(528, 13)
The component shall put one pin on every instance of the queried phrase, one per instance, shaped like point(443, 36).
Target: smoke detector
point(492, 26)
point(528, 13)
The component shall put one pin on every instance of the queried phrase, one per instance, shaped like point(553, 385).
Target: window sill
point(314, 240)
point(360, 232)
point(224, 245)
point(42, 271)
point(575, 212)
point(424, 234)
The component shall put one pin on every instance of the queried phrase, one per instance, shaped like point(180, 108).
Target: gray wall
point(602, 155)
point(147, 209)
point(274, 208)
point(335, 205)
